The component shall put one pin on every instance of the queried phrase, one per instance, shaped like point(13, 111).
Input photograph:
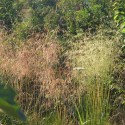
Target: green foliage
point(63, 15)
point(9, 12)
point(7, 102)
point(22, 29)
point(79, 14)
point(88, 17)
point(67, 17)
point(118, 87)
point(41, 9)
point(119, 10)
point(50, 19)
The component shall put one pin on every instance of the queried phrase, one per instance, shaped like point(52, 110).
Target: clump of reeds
point(38, 71)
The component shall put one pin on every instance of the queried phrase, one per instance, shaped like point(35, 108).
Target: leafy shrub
point(119, 9)
point(71, 16)
point(9, 12)
point(118, 86)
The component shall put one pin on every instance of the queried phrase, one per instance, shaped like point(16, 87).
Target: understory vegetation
point(65, 59)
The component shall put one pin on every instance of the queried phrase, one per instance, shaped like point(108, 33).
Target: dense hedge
point(62, 15)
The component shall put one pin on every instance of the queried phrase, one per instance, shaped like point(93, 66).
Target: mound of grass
point(58, 87)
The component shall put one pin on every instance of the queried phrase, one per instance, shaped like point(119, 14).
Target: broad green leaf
point(122, 25)
point(123, 31)
point(116, 17)
point(8, 104)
